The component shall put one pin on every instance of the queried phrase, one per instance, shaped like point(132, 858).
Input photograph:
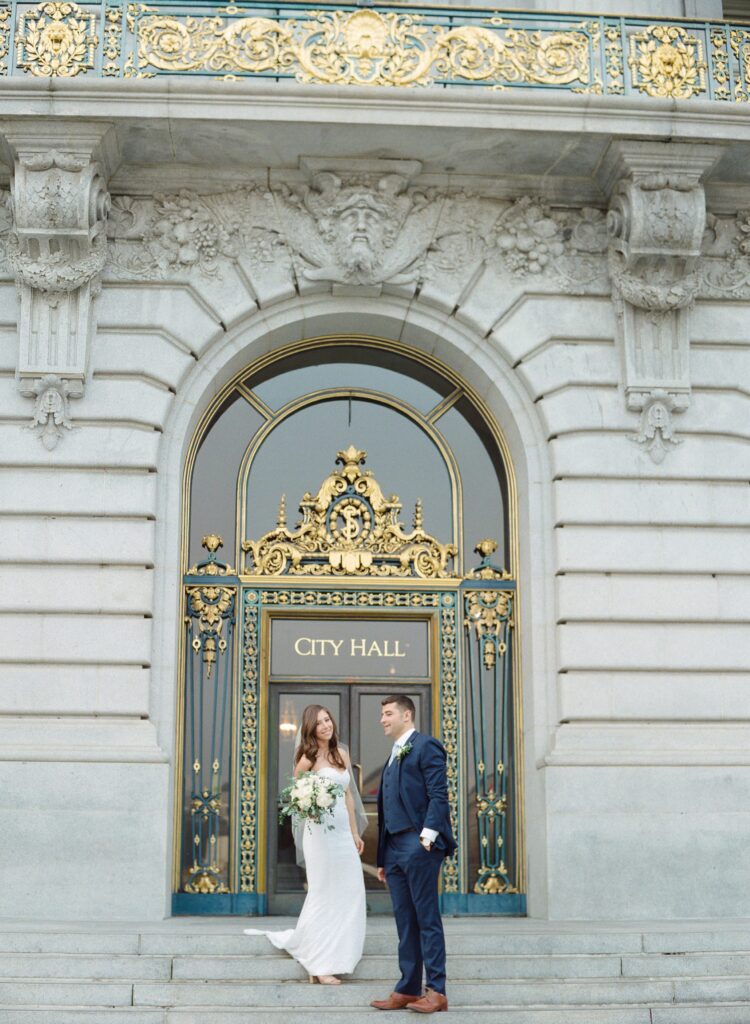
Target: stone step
point(279, 967)
point(540, 992)
point(44, 966)
point(356, 994)
point(237, 944)
point(458, 942)
point(672, 965)
point(375, 968)
point(466, 936)
point(80, 1015)
point(111, 943)
point(22, 991)
point(717, 1013)
point(726, 941)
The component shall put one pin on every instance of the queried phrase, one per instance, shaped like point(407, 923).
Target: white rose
point(325, 800)
point(304, 803)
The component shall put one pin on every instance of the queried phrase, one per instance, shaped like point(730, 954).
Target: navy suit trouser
point(412, 874)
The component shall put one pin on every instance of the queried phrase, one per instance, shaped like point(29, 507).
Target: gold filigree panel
point(5, 23)
point(449, 727)
point(740, 43)
point(112, 41)
point(447, 610)
point(56, 40)
point(613, 60)
point(668, 61)
point(250, 711)
point(394, 47)
point(366, 47)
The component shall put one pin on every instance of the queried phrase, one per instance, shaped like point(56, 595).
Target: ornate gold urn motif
point(349, 529)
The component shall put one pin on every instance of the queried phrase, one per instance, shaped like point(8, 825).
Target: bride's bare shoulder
point(303, 765)
point(344, 751)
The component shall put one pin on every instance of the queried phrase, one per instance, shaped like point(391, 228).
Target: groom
point(414, 835)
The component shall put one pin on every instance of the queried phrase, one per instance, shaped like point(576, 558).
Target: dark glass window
point(423, 437)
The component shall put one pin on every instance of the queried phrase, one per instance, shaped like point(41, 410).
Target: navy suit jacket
point(423, 787)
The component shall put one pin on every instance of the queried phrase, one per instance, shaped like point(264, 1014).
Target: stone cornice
point(208, 113)
point(186, 99)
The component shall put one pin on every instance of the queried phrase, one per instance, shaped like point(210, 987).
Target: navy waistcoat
point(394, 812)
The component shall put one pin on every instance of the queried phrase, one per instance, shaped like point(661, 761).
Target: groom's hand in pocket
point(381, 875)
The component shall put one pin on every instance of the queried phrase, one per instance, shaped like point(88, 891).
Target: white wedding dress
point(330, 932)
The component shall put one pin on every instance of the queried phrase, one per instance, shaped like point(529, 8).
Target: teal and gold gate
point(347, 606)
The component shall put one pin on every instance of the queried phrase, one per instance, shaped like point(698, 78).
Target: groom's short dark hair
point(404, 702)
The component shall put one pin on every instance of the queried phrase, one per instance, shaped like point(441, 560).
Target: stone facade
point(595, 290)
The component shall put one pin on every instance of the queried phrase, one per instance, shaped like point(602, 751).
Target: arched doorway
point(342, 607)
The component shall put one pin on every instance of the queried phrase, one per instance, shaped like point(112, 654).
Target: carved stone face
point(359, 230)
point(50, 402)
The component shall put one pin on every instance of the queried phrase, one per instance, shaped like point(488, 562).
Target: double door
point(356, 709)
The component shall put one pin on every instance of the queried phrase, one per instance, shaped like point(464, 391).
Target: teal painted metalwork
point(442, 605)
point(504, 905)
point(248, 767)
point(344, 44)
point(481, 783)
point(491, 729)
point(250, 904)
point(210, 598)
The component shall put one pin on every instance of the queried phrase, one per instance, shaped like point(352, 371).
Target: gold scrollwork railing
point(397, 46)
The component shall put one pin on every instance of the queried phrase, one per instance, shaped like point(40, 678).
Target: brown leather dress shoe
point(431, 1002)
point(395, 1001)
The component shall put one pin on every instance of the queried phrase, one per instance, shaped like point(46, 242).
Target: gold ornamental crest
point(349, 528)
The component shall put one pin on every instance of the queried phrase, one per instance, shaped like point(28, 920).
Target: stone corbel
point(655, 224)
point(57, 248)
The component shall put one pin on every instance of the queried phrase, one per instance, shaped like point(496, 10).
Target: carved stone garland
point(349, 529)
point(358, 228)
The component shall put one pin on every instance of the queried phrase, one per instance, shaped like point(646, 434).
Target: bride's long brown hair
point(308, 744)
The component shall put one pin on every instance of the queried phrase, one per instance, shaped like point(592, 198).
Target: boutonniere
point(403, 751)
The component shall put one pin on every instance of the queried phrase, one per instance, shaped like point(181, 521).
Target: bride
point(330, 932)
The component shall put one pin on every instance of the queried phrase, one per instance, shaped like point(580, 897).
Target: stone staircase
point(205, 971)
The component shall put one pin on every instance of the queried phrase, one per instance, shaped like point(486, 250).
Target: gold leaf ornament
point(57, 40)
point(364, 48)
point(349, 528)
point(667, 61)
point(171, 45)
point(740, 43)
point(516, 56)
point(257, 45)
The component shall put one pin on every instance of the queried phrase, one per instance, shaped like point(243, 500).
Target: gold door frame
point(267, 615)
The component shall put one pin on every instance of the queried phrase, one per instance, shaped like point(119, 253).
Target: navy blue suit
point(413, 795)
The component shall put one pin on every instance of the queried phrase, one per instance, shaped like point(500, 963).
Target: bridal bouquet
point(309, 798)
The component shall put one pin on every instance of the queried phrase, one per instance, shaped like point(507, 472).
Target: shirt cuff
point(429, 834)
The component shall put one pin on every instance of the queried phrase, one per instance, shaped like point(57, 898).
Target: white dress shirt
point(427, 833)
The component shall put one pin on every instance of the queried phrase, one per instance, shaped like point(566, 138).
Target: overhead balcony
point(416, 47)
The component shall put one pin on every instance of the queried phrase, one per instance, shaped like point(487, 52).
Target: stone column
point(57, 248)
point(656, 221)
